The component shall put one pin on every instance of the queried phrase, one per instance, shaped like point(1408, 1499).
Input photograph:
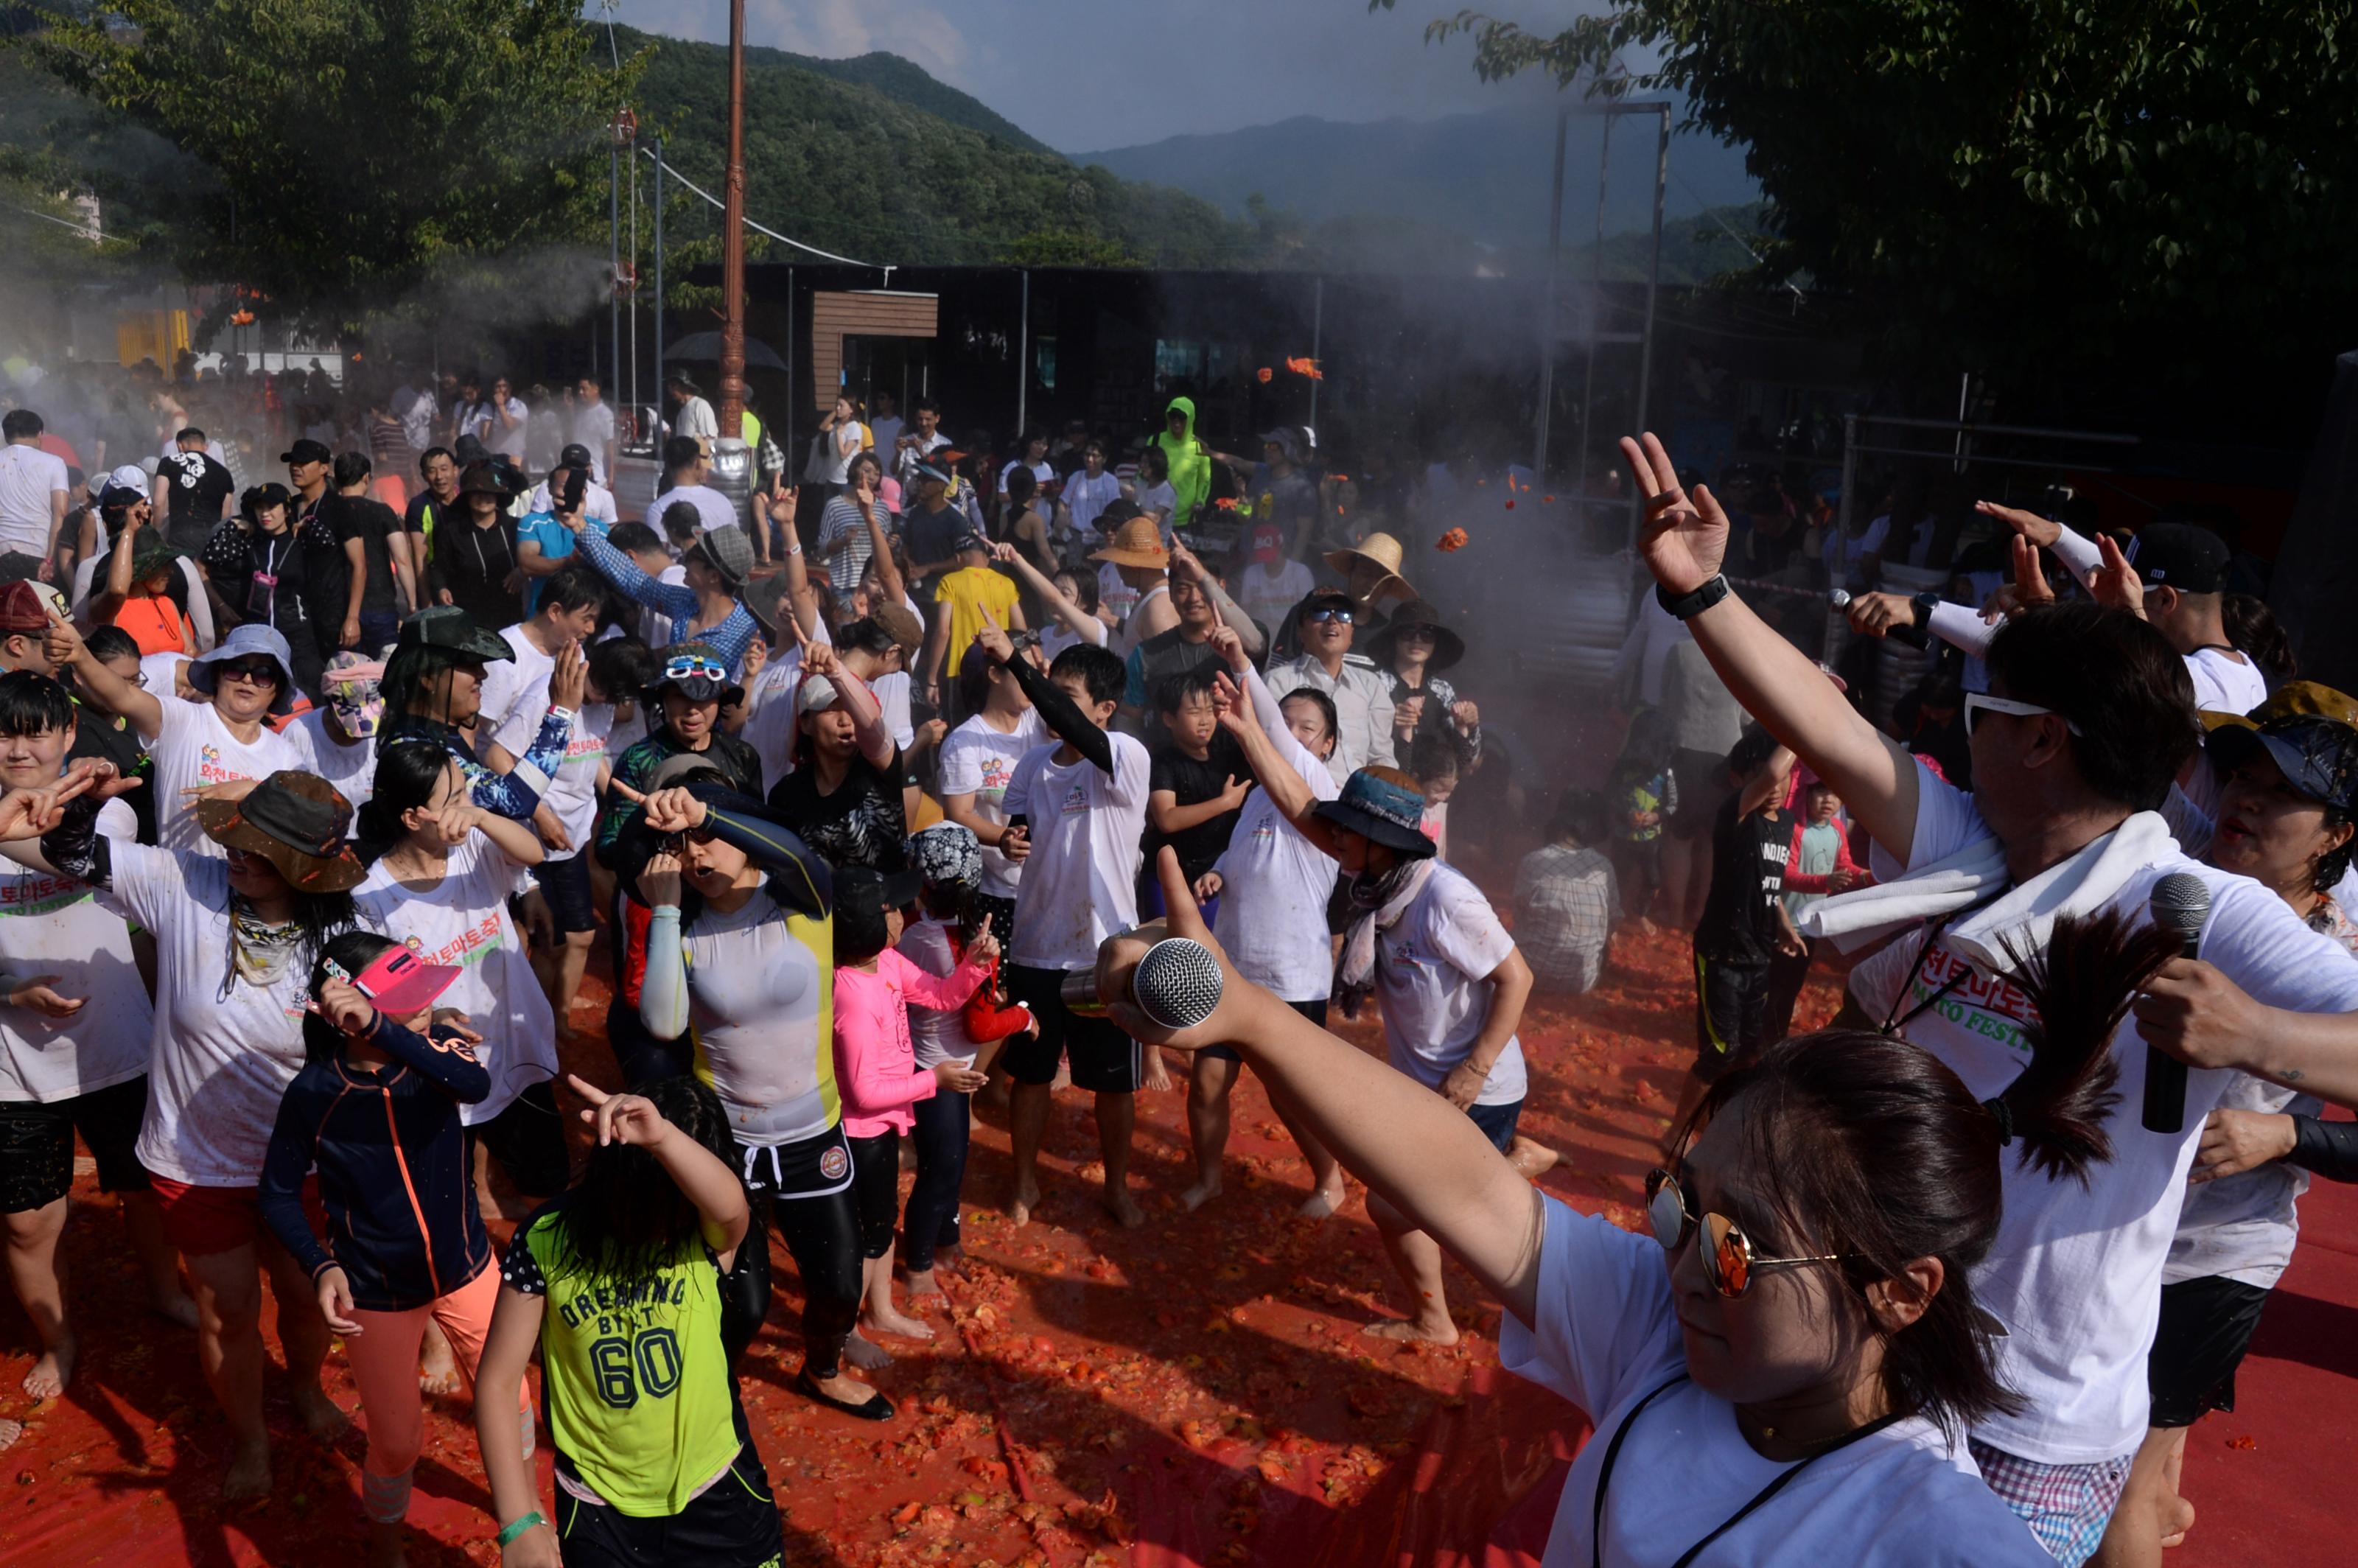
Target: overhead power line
point(669, 169)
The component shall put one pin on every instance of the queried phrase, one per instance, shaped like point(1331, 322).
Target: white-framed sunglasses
point(1979, 702)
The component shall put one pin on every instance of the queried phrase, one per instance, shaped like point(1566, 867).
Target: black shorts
point(528, 1138)
point(2206, 1325)
point(1315, 1011)
point(566, 885)
point(1731, 1011)
point(1497, 1123)
point(732, 1523)
point(37, 1144)
point(876, 1189)
point(1105, 1060)
point(809, 1168)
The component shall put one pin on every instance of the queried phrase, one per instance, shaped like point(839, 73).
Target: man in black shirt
point(197, 492)
point(381, 561)
point(1196, 787)
point(1744, 923)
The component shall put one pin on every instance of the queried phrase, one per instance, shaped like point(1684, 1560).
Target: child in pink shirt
point(876, 1072)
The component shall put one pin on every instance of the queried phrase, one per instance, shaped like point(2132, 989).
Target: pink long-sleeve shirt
point(876, 1069)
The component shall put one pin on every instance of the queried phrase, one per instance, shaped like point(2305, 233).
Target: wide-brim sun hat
point(1448, 648)
point(1381, 811)
point(1380, 550)
point(1137, 543)
point(294, 820)
point(245, 642)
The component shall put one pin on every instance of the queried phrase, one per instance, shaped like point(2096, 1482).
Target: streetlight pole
point(732, 243)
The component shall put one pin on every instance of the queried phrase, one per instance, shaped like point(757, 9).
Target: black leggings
point(876, 1189)
point(931, 1221)
point(823, 1235)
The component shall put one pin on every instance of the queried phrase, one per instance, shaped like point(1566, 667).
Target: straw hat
point(1380, 550)
point(1137, 542)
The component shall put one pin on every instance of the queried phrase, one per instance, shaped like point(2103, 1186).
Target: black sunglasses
point(1326, 613)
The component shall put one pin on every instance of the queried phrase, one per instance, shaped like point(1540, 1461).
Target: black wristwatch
point(1687, 605)
point(1924, 604)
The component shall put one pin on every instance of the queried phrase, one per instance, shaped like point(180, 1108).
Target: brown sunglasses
point(1727, 1259)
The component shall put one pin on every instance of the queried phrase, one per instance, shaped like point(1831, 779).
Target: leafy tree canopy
point(352, 150)
point(2017, 181)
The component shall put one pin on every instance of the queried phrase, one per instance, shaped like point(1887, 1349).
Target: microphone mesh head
point(1177, 984)
point(2181, 901)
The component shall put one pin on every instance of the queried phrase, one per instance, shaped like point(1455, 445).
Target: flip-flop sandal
point(875, 1408)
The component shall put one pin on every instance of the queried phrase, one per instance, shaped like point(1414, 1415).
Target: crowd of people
point(857, 774)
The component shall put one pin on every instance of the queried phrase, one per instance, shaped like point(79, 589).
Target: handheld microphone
point(2182, 903)
point(1915, 637)
point(1176, 984)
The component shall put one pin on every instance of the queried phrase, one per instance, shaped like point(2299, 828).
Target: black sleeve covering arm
point(2329, 1149)
point(798, 879)
point(75, 846)
point(1062, 715)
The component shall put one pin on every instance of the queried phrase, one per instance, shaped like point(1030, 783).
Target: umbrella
point(706, 346)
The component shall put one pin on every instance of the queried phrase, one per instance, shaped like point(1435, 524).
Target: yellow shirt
point(965, 592)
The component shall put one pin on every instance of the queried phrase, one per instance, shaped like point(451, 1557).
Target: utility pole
point(732, 244)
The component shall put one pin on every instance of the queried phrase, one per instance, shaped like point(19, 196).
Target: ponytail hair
point(2252, 627)
point(2079, 988)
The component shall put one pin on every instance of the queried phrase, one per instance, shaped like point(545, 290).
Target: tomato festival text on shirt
point(36, 894)
point(1988, 1005)
point(466, 948)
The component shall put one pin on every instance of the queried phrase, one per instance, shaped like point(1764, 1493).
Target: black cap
point(308, 450)
point(2180, 555)
point(862, 890)
point(448, 627)
point(573, 456)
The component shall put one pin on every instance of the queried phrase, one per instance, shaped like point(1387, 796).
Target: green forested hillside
point(861, 167)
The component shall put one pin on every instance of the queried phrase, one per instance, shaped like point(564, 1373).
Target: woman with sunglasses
point(433, 689)
point(193, 747)
point(740, 946)
point(1784, 1374)
point(441, 870)
point(1324, 626)
point(1414, 646)
point(236, 935)
point(260, 569)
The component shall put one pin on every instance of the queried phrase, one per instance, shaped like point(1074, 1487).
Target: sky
point(1084, 75)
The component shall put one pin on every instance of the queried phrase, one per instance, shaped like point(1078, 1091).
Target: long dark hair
point(2253, 628)
point(626, 1217)
point(352, 951)
point(407, 773)
point(1867, 1145)
point(410, 676)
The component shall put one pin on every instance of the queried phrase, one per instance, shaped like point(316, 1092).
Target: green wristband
point(517, 1527)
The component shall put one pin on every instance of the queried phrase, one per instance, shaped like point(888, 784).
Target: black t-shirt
point(371, 522)
point(195, 487)
point(930, 535)
point(326, 570)
point(861, 824)
point(100, 736)
point(262, 577)
point(1194, 782)
point(1748, 855)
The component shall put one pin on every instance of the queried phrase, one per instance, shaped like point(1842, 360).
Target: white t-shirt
point(1275, 882)
point(463, 921)
point(696, 418)
point(886, 433)
point(58, 925)
point(220, 1061)
point(939, 1037)
point(593, 427)
point(1431, 969)
point(891, 694)
point(712, 508)
point(194, 747)
point(1043, 471)
point(2223, 685)
point(2075, 1274)
point(1162, 500)
point(29, 478)
point(2243, 1226)
point(1268, 597)
point(1115, 597)
point(978, 759)
point(573, 793)
point(1080, 881)
point(352, 769)
point(597, 503)
point(1088, 497)
point(504, 439)
point(516, 693)
point(1606, 1335)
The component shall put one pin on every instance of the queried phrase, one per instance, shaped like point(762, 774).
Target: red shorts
point(200, 1220)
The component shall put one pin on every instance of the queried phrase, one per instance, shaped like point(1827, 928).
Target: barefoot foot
point(1323, 1202)
point(2177, 1519)
point(899, 1325)
point(1123, 1207)
point(249, 1474)
point(1199, 1194)
point(322, 1417)
point(921, 1284)
point(1531, 1158)
point(10, 1431)
point(178, 1307)
point(865, 1353)
point(438, 1368)
point(50, 1374)
point(1022, 1201)
point(1413, 1331)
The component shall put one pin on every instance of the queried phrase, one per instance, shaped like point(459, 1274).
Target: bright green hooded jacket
point(1190, 464)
